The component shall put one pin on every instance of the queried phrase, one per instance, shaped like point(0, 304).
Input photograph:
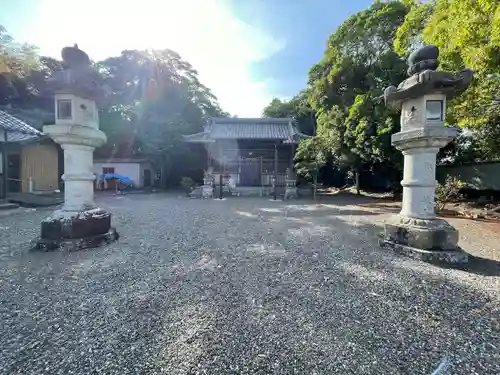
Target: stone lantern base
point(433, 240)
point(69, 231)
point(291, 190)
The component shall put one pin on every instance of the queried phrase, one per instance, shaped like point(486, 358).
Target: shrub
point(448, 191)
point(187, 184)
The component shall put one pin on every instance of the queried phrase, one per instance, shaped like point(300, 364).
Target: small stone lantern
point(416, 231)
point(207, 190)
point(291, 185)
point(79, 224)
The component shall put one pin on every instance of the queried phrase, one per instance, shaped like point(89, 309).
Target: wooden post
point(260, 176)
point(220, 185)
point(315, 181)
point(5, 166)
point(357, 182)
point(3, 155)
point(275, 170)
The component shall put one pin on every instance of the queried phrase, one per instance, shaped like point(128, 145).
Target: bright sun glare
point(205, 33)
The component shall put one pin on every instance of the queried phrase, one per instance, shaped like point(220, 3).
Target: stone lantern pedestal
point(207, 190)
point(416, 231)
point(79, 223)
point(291, 185)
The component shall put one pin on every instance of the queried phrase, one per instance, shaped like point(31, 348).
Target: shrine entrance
point(250, 172)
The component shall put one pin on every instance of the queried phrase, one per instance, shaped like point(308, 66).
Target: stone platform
point(7, 205)
point(457, 256)
point(36, 199)
point(76, 230)
point(431, 240)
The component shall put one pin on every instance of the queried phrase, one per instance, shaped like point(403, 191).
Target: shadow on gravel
point(244, 290)
point(356, 212)
point(331, 301)
point(313, 211)
point(478, 266)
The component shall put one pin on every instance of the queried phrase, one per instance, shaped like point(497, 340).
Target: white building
point(138, 170)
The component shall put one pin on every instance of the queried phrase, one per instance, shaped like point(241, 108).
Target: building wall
point(229, 156)
point(485, 176)
point(2, 139)
point(40, 162)
point(2, 176)
point(130, 170)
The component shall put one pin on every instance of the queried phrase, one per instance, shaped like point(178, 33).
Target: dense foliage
point(368, 53)
point(468, 35)
point(297, 108)
point(154, 98)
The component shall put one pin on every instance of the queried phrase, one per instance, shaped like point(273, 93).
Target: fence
point(477, 176)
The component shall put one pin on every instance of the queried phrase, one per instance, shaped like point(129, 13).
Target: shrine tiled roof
point(222, 128)
point(17, 130)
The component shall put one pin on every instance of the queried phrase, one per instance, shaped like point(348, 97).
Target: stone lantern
point(416, 231)
point(79, 224)
point(291, 185)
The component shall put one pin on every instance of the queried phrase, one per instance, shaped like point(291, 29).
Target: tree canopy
point(154, 98)
point(368, 52)
point(347, 84)
point(297, 108)
point(467, 34)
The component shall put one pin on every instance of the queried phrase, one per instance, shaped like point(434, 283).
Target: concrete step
point(36, 200)
point(8, 206)
point(196, 193)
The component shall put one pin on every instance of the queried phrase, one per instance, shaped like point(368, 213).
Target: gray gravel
point(242, 286)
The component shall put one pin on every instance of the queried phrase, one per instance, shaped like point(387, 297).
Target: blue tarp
point(114, 176)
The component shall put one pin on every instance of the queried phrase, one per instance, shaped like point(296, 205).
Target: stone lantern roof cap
point(424, 79)
point(74, 57)
point(423, 58)
point(78, 76)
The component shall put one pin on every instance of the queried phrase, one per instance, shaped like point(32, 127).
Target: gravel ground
point(242, 286)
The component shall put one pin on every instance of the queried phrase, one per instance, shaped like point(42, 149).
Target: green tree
point(309, 158)
point(156, 97)
point(467, 34)
point(23, 81)
point(297, 108)
point(347, 84)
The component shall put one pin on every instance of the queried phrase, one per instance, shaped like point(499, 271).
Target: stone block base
point(457, 256)
point(76, 230)
point(291, 193)
point(207, 191)
point(432, 240)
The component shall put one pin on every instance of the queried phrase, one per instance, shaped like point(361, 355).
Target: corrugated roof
point(20, 137)
point(202, 137)
point(247, 128)
point(251, 130)
point(17, 130)
point(121, 160)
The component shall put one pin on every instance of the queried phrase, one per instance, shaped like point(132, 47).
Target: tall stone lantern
point(79, 223)
point(416, 231)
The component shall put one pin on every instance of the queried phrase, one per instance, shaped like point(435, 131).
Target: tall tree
point(297, 108)
point(346, 86)
point(23, 75)
point(309, 159)
point(156, 97)
point(467, 34)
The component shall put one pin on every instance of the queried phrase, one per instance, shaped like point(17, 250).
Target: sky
point(246, 51)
